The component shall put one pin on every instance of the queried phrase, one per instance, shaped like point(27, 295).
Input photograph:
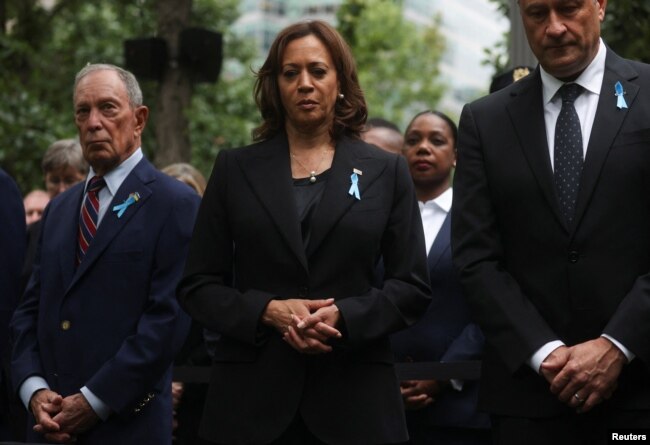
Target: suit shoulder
point(364, 149)
point(70, 196)
point(259, 148)
point(641, 67)
point(9, 187)
point(6, 180)
point(172, 187)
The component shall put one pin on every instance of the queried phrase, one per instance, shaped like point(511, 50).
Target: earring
point(341, 96)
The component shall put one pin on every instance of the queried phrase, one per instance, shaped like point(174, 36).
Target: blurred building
point(263, 19)
point(469, 26)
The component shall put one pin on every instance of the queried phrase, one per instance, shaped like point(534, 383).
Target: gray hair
point(64, 153)
point(133, 90)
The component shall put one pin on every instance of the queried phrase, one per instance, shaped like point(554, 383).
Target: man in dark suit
point(96, 334)
point(12, 246)
point(554, 251)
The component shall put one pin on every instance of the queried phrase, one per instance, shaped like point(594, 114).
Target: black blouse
point(308, 196)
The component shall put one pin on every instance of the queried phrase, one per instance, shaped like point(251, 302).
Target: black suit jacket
point(247, 249)
point(530, 277)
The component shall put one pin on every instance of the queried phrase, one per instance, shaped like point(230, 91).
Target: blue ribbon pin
point(618, 91)
point(121, 208)
point(354, 188)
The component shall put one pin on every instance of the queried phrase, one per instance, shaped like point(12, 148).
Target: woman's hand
point(280, 314)
point(305, 324)
point(310, 334)
point(320, 324)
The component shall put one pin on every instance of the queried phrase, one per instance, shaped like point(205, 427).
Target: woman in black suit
point(283, 257)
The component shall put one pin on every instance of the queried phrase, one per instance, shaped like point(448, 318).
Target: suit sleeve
point(405, 293)
point(145, 356)
point(206, 291)
point(467, 346)
point(510, 322)
point(12, 245)
point(25, 356)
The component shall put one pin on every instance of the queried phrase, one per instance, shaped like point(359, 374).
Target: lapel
point(268, 172)
point(68, 221)
point(111, 225)
point(350, 154)
point(527, 113)
point(440, 244)
point(607, 123)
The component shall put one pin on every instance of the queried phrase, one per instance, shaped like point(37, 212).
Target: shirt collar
point(591, 78)
point(115, 177)
point(442, 202)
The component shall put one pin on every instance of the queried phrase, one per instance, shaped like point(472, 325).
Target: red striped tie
point(88, 216)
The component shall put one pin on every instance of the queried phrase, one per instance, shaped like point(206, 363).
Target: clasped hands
point(61, 419)
point(418, 394)
point(306, 325)
point(584, 375)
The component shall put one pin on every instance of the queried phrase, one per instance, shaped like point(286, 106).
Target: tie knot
point(96, 183)
point(570, 92)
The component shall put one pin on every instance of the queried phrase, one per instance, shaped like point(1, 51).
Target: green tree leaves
point(397, 60)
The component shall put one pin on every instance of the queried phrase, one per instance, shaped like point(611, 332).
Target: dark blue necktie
point(568, 151)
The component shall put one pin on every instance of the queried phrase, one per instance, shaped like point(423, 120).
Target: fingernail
point(301, 325)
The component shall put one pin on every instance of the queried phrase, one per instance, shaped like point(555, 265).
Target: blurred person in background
point(187, 174)
point(63, 166)
point(384, 134)
point(439, 411)
point(508, 77)
point(34, 203)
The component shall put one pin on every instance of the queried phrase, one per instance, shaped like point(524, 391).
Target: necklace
point(312, 173)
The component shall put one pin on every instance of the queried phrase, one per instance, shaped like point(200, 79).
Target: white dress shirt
point(433, 215)
point(585, 105)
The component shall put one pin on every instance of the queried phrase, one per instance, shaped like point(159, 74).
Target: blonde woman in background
point(187, 174)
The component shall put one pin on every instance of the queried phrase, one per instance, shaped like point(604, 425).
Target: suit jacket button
point(574, 256)
point(65, 325)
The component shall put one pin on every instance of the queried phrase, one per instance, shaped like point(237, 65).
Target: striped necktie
point(88, 216)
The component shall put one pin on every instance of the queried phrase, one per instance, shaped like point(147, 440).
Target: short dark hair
point(441, 115)
point(378, 122)
point(350, 113)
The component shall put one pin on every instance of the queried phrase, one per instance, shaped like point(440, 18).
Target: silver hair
point(133, 90)
point(62, 154)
